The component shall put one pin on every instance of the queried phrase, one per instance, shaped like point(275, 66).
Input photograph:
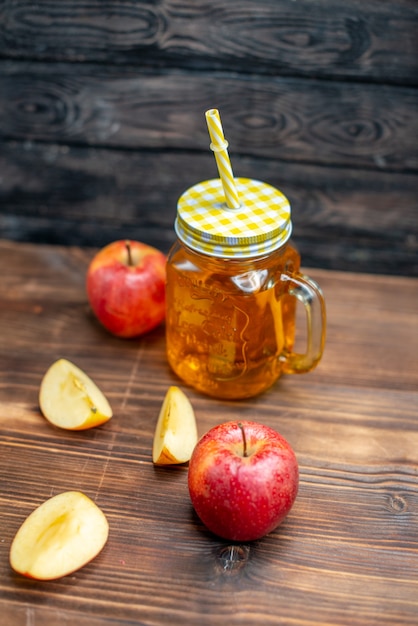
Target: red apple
point(243, 480)
point(126, 287)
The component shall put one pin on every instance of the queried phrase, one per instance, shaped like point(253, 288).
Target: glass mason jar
point(232, 283)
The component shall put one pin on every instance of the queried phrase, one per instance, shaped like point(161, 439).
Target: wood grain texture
point(102, 119)
point(327, 38)
point(347, 553)
point(286, 119)
point(343, 218)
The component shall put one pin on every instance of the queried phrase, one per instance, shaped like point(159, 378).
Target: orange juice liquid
point(229, 323)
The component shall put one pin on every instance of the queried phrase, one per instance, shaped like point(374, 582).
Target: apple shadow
point(170, 472)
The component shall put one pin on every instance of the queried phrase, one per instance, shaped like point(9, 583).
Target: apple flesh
point(59, 537)
point(126, 287)
point(68, 398)
point(243, 480)
point(176, 432)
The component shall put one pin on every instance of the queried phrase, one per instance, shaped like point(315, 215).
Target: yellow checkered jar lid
point(258, 226)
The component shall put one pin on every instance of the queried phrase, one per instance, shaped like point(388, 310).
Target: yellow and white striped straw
point(219, 146)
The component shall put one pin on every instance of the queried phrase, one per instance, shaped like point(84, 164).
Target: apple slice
point(68, 398)
point(176, 432)
point(59, 537)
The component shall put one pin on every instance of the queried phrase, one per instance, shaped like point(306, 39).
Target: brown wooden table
point(346, 554)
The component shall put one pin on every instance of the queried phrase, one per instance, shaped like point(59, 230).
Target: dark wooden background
point(102, 119)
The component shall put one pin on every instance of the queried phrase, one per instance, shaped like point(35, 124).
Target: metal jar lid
point(261, 224)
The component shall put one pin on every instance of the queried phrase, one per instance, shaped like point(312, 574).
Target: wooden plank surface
point(342, 217)
point(88, 155)
point(328, 38)
point(286, 119)
point(101, 117)
point(347, 553)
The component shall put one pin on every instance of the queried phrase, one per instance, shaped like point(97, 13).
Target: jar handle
point(308, 292)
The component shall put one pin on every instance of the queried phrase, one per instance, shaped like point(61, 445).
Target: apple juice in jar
point(232, 283)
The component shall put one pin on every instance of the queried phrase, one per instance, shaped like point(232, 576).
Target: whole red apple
point(243, 480)
point(126, 287)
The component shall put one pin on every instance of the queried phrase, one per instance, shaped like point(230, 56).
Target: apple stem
point(129, 251)
point(244, 438)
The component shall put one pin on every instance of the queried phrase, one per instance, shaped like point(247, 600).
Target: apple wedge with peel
point(59, 537)
point(68, 398)
point(176, 431)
